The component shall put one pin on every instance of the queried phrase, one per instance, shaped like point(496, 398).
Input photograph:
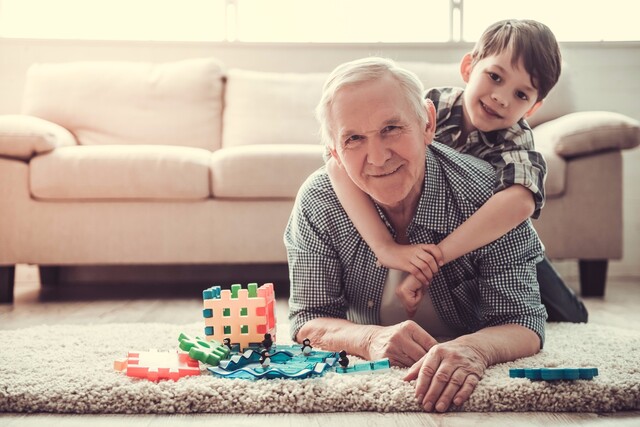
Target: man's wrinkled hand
point(403, 344)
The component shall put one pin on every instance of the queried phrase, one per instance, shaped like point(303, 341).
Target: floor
point(111, 303)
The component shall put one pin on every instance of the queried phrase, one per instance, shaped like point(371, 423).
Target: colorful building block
point(242, 315)
point(209, 352)
point(154, 365)
point(554, 374)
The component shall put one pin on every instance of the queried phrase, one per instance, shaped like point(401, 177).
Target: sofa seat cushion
point(121, 172)
point(263, 171)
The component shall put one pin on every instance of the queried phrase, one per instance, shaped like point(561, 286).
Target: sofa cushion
point(271, 108)
point(263, 171)
point(121, 172)
point(110, 103)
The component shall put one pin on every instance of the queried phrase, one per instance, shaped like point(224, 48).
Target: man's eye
point(522, 96)
point(390, 128)
point(352, 138)
point(494, 77)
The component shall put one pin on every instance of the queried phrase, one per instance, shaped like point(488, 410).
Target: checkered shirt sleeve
point(333, 272)
point(511, 151)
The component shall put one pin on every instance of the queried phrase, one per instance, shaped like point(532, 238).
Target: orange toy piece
point(154, 365)
point(242, 315)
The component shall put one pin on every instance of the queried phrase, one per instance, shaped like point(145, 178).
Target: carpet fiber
point(69, 369)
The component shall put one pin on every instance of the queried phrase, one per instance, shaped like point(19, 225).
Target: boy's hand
point(422, 261)
point(410, 293)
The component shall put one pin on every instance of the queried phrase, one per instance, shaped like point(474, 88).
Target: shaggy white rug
point(69, 369)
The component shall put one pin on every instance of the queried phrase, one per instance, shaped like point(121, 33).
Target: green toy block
point(209, 352)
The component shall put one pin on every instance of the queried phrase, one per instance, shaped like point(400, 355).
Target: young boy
point(510, 71)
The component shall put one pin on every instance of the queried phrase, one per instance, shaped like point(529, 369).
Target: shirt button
point(370, 303)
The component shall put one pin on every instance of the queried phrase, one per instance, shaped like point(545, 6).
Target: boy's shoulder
point(444, 95)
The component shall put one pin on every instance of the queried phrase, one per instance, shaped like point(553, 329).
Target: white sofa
point(189, 163)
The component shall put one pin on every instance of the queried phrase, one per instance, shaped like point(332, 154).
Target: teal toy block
point(368, 367)
point(209, 352)
point(554, 374)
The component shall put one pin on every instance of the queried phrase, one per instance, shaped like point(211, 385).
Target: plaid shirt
point(511, 151)
point(333, 271)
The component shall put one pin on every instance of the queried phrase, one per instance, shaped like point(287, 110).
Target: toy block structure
point(154, 365)
point(554, 374)
point(242, 315)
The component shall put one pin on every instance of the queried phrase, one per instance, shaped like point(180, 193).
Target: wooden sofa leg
point(593, 277)
point(49, 276)
point(7, 276)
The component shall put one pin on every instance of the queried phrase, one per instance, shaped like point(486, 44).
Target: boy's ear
point(533, 109)
point(466, 67)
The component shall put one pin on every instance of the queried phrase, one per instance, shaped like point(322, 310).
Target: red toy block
point(154, 365)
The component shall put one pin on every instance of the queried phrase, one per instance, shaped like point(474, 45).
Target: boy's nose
point(498, 99)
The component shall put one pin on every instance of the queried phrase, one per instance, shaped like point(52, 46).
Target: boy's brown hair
point(529, 40)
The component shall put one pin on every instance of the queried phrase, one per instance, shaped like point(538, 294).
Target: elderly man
point(378, 128)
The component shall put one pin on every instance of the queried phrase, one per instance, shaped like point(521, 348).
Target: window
point(304, 21)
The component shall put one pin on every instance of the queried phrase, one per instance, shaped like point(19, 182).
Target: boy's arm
point(504, 211)
point(419, 260)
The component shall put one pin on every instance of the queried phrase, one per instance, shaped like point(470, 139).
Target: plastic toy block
point(554, 374)
point(286, 362)
point(362, 368)
point(154, 365)
point(242, 315)
point(254, 372)
point(209, 352)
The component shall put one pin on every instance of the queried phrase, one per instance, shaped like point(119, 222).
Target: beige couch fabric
point(116, 103)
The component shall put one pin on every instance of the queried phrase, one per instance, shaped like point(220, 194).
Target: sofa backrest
point(103, 103)
point(278, 108)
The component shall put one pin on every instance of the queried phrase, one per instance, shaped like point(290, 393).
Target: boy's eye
point(522, 95)
point(494, 77)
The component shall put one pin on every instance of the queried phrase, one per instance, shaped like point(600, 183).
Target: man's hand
point(448, 373)
point(404, 343)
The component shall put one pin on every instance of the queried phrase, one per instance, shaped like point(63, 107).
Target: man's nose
point(377, 152)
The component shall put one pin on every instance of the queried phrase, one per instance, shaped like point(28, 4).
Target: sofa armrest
point(587, 132)
point(23, 136)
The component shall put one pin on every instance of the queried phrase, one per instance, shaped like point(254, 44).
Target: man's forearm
point(504, 343)
point(337, 334)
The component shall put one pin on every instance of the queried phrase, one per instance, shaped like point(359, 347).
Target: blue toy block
point(554, 374)
point(368, 367)
point(211, 293)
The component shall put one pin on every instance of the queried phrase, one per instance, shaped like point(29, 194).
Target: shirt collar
point(432, 207)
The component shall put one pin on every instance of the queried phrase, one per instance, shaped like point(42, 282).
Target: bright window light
point(193, 20)
point(340, 21)
point(570, 20)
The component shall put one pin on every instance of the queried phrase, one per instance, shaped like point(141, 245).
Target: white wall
point(605, 77)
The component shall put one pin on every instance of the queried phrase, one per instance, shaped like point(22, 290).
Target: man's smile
point(388, 172)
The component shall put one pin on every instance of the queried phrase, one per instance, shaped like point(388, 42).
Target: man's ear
point(466, 66)
point(533, 109)
point(334, 154)
point(430, 127)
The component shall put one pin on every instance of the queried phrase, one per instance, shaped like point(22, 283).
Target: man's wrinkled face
point(379, 140)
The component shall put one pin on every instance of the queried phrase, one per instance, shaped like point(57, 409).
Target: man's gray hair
point(361, 71)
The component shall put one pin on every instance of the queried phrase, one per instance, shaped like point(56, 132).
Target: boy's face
point(498, 94)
